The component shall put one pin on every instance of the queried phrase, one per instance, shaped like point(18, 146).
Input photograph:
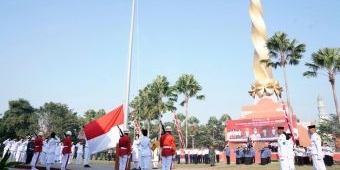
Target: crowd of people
point(47, 151)
point(144, 153)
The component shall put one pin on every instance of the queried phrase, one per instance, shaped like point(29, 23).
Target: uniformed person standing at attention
point(66, 151)
point(38, 144)
point(315, 149)
point(167, 143)
point(145, 151)
point(124, 149)
point(282, 149)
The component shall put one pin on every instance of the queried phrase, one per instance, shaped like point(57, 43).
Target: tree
point(283, 52)
point(58, 118)
point(164, 95)
point(329, 128)
point(328, 60)
point(92, 114)
point(19, 120)
point(189, 87)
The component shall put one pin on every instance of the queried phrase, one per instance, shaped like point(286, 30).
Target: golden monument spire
point(264, 85)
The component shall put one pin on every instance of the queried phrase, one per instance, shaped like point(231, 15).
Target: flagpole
point(127, 95)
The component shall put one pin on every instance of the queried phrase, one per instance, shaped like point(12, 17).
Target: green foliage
point(4, 164)
point(19, 120)
point(58, 118)
point(327, 60)
point(329, 128)
point(283, 51)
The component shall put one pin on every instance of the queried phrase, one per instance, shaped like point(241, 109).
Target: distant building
point(323, 114)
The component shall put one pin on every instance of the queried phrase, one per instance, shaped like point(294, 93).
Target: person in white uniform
point(52, 143)
point(7, 144)
point(290, 150)
point(316, 149)
point(80, 151)
point(87, 154)
point(282, 149)
point(145, 151)
point(135, 152)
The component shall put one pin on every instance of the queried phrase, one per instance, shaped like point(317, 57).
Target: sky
point(76, 52)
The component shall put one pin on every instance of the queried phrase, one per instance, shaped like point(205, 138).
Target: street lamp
point(193, 141)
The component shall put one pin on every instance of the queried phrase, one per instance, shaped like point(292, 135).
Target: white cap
point(41, 134)
point(168, 129)
point(69, 133)
point(126, 131)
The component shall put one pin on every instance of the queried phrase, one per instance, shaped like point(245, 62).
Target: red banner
point(256, 129)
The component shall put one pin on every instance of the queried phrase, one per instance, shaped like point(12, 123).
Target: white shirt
point(80, 148)
point(52, 145)
point(315, 147)
point(282, 146)
point(145, 146)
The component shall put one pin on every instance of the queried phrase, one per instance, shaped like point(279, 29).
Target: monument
point(258, 122)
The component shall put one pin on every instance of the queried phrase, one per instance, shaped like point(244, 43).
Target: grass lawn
point(271, 166)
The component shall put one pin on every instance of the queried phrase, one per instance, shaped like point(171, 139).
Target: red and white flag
point(103, 133)
point(179, 131)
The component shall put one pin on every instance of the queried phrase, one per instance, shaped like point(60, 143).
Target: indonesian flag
point(103, 133)
point(179, 131)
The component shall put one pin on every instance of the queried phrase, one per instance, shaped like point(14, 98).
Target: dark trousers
point(264, 161)
point(29, 156)
point(195, 158)
point(238, 160)
point(248, 160)
point(328, 160)
point(178, 157)
point(300, 160)
point(199, 158)
point(217, 158)
point(228, 159)
point(186, 157)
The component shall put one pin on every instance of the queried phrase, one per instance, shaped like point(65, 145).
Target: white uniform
point(57, 155)
point(51, 148)
point(316, 152)
point(135, 153)
point(21, 151)
point(13, 150)
point(43, 154)
point(145, 153)
point(87, 154)
point(71, 154)
point(283, 152)
point(80, 152)
point(291, 154)
point(155, 158)
point(7, 144)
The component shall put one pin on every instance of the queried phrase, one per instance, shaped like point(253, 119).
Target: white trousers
point(35, 159)
point(166, 162)
point(86, 156)
point(318, 164)
point(145, 162)
point(122, 162)
point(79, 158)
point(64, 161)
point(284, 163)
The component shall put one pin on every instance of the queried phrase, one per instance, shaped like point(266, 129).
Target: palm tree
point(327, 59)
point(283, 51)
point(189, 87)
point(164, 95)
